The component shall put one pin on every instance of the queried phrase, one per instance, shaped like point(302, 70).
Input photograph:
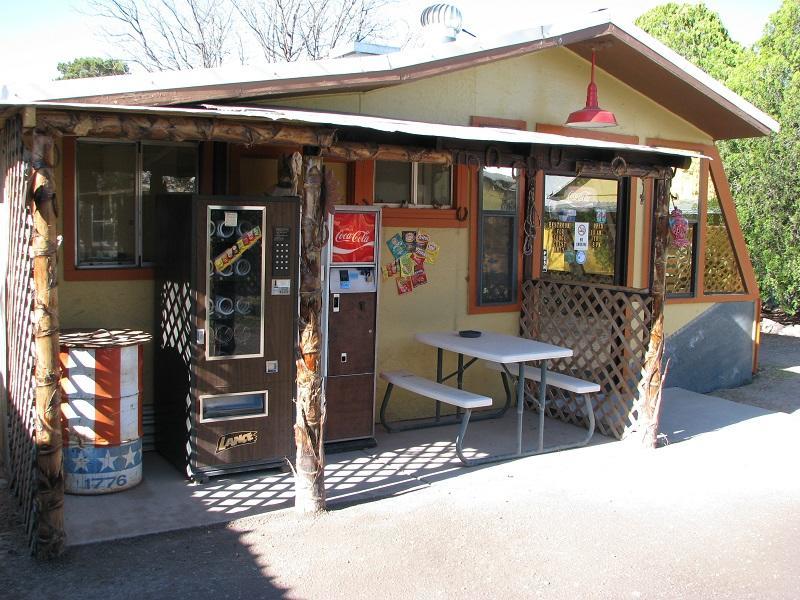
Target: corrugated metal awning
point(442, 130)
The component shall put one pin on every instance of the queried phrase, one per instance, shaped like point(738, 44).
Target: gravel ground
point(776, 385)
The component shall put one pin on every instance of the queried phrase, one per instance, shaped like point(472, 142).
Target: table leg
point(460, 379)
point(439, 377)
point(542, 401)
point(520, 403)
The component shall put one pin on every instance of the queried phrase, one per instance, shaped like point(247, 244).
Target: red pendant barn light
point(591, 116)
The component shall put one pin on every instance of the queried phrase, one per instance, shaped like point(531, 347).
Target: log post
point(653, 377)
point(50, 537)
point(310, 413)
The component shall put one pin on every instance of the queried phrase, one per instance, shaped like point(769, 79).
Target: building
point(462, 140)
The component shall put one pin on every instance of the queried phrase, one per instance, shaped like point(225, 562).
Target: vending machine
point(351, 304)
point(226, 301)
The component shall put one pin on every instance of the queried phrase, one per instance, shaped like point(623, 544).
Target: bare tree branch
point(185, 34)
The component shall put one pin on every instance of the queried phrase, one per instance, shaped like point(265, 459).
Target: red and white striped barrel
point(101, 416)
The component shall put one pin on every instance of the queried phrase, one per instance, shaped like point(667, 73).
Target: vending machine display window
point(235, 277)
point(233, 406)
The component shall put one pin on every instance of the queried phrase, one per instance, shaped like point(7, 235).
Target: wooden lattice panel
point(608, 331)
point(679, 270)
point(19, 324)
point(721, 272)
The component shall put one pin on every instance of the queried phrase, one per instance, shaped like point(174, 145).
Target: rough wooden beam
point(367, 151)
point(50, 537)
point(622, 168)
point(310, 412)
point(650, 403)
point(179, 129)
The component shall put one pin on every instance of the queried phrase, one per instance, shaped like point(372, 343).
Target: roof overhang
point(433, 135)
point(657, 72)
point(629, 54)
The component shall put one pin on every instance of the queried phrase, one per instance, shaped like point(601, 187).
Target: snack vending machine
point(352, 267)
point(226, 301)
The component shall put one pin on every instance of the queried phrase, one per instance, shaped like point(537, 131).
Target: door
point(243, 381)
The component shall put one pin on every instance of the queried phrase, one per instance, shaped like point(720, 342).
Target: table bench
point(436, 391)
point(578, 386)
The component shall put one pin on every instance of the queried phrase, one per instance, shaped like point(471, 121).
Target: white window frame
point(412, 201)
point(137, 191)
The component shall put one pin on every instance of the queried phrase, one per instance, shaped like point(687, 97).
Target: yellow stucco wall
point(539, 88)
point(440, 305)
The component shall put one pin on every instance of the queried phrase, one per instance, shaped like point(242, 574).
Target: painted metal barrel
point(101, 409)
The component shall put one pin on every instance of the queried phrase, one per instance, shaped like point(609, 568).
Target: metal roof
point(386, 125)
point(637, 59)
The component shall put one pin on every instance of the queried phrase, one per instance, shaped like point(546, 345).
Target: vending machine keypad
point(280, 251)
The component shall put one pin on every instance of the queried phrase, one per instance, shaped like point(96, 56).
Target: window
point(681, 262)
point(585, 229)
point(421, 185)
point(713, 267)
point(116, 187)
point(498, 226)
point(721, 272)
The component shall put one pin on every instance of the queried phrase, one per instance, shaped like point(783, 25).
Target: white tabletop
point(497, 347)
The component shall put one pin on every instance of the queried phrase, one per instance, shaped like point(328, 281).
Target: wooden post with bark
point(310, 413)
point(50, 537)
point(652, 384)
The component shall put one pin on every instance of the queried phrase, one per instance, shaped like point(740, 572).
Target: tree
point(697, 34)
point(186, 34)
point(91, 66)
point(762, 171)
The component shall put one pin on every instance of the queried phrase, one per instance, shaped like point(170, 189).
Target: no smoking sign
point(581, 236)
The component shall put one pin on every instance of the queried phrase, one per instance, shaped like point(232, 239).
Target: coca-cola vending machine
point(352, 267)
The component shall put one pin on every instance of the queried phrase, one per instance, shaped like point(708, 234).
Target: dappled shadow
point(402, 462)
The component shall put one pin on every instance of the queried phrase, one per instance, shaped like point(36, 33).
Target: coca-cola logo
point(353, 237)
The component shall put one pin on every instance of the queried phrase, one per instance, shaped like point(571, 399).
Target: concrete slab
point(402, 462)
point(686, 414)
point(165, 501)
point(429, 454)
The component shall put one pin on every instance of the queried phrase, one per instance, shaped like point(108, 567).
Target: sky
point(30, 48)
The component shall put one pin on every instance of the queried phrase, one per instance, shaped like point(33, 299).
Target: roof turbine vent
point(441, 22)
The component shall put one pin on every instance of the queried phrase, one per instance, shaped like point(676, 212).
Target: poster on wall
point(411, 251)
point(353, 238)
